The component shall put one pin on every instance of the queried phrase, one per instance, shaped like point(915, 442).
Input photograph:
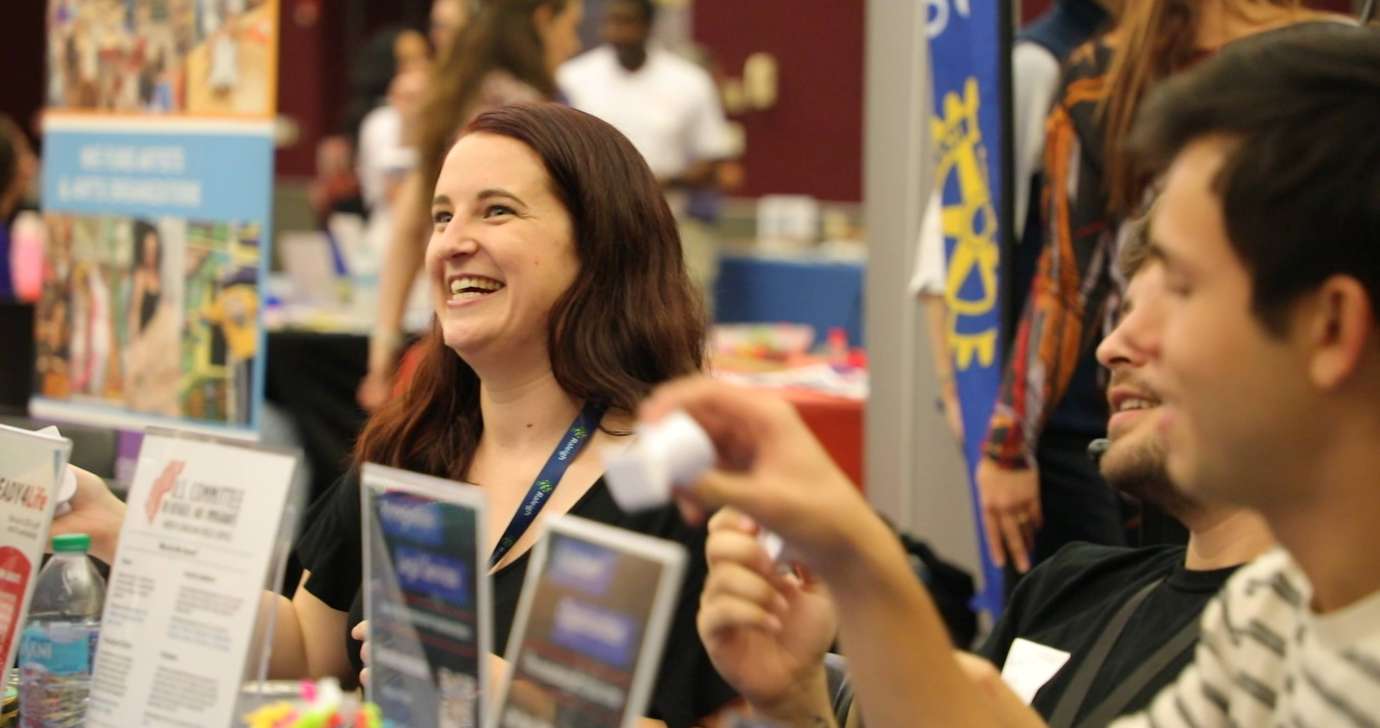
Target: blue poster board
point(968, 60)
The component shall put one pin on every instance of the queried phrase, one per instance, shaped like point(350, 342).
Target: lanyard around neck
point(575, 439)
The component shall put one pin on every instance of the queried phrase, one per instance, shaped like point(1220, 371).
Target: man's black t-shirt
point(1066, 603)
point(687, 687)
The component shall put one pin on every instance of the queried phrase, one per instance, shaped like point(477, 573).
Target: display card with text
point(198, 544)
point(427, 598)
point(586, 646)
point(31, 467)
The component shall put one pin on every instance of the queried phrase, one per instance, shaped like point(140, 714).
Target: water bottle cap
point(71, 542)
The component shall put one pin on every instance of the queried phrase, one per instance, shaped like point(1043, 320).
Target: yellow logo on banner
point(972, 222)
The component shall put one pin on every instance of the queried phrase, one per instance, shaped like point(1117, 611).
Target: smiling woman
point(560, 293)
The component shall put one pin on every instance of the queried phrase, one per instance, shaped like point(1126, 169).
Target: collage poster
point(157, 182)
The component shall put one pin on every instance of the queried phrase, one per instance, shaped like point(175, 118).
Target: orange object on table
point(837, 422)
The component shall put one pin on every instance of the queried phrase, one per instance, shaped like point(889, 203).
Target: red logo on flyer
point(14, 580)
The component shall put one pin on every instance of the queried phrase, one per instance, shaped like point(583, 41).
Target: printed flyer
point(590, 628)
point(197, 547)
point(427, 599)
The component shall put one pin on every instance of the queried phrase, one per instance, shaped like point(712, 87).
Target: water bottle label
point(60, 649)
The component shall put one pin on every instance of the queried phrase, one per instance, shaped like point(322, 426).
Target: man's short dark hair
point(1300, 187)
point(1135, 247)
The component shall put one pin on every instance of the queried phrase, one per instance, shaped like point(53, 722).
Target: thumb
point(741, 491)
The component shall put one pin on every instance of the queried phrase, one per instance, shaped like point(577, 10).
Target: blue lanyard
point(579, 434)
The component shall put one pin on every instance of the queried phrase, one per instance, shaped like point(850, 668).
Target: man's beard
point(1141, 474)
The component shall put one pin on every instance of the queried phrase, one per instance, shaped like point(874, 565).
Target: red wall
point(811, 141)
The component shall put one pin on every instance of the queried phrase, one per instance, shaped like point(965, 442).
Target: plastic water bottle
point(58, 646)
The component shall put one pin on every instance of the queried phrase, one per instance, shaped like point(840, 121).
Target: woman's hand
point(95, 511)
point(361, 633)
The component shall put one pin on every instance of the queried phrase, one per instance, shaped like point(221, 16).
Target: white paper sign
point(1029, 665)
point(194, 555)
point(31, 467)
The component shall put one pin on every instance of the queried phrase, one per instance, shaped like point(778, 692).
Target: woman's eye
point(496, 210)
point(440, 217)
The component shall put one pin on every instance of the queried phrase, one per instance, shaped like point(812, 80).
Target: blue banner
point(187, 169)
point(967, 58)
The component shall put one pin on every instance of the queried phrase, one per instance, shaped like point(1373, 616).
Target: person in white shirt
point(667, 106)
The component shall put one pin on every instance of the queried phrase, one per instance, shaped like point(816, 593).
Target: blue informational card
point(587, 642)
point(426, 598)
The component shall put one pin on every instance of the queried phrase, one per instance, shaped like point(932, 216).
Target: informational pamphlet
point(586, 646)
point(31, 467)
point(200, 540)
point(426, 599)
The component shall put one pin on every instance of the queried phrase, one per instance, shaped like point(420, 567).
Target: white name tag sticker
point(1029, 665)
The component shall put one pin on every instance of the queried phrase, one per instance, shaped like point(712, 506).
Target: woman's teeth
point(469, 285)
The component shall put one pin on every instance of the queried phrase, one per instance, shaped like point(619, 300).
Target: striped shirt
point(1266, 659)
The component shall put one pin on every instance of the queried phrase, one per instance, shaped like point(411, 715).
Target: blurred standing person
point(385, 153)
point(666, 105)
point(1038, 488)
point(506, 54)
point(447, 18)
point(18, 169)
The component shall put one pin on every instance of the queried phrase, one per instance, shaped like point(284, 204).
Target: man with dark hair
point(1269, 364)
point(1049, 633)
point(1266, 357)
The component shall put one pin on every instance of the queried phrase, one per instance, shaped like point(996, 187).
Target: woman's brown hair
point(630, 320)
point(1154, 40)
point(499, 36)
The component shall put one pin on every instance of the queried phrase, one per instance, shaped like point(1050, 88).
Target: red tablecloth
point(837, 422)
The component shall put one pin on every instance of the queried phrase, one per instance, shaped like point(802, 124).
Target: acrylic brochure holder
point(189, 608)
point(591, 626)
point(427, 598)
point(32, 465)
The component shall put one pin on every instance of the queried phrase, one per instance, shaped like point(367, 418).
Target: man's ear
point(1340, 327)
